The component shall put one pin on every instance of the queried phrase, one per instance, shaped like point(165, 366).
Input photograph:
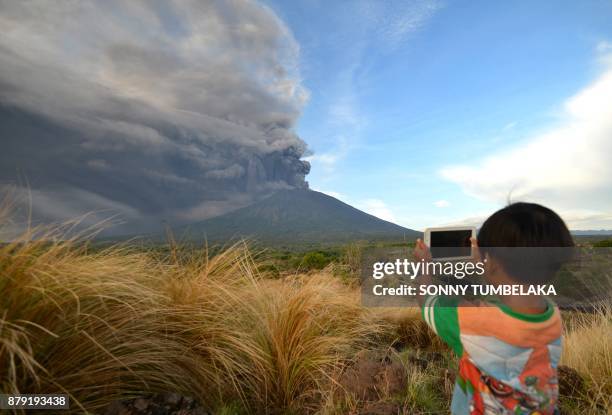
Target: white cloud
point(393, 21)
point(332, 193)
point(510, 125)
point(442, 203)
point(567, 167)
point(587, 219)
point(604, 47)
point(377, 208)
point(373, 206)
point(476, 221)
point(328, 159)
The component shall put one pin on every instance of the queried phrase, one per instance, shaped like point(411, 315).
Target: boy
point(508, 347)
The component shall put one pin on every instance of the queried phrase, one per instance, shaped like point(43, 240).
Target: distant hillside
point(297, 216)
point(599, 232)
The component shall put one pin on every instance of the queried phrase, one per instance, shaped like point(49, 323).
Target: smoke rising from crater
point(153, 110)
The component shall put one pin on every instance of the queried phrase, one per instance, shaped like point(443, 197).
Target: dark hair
point(535, 231)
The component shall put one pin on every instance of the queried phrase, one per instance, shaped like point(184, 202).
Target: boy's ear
point(491, 264)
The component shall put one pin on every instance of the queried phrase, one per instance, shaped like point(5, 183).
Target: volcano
point(295, 217)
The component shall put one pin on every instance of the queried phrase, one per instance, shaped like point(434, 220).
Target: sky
point(423, 113)
point(439, 112)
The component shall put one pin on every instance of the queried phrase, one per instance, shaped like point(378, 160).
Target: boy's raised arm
point(421, 253)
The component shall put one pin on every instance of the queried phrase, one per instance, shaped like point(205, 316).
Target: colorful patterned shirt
point(507, 360)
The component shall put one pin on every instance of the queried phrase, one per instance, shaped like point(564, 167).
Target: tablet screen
point(451, 243)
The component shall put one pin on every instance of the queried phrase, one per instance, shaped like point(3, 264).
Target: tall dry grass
point(587, 348)
point(109, 324)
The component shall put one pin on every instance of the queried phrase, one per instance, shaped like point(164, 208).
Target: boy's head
point(529, 241)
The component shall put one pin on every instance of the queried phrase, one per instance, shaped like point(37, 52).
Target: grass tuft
point(111, 324)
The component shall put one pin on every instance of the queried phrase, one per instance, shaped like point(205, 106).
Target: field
point(234, 331)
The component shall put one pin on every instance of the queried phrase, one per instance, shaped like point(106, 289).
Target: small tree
point(315, 260)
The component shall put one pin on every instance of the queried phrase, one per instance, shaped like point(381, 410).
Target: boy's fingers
point(475, 250)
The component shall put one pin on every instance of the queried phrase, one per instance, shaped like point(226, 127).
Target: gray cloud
point(157, 108)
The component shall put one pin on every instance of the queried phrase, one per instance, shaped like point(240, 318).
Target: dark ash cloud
point(154, 110)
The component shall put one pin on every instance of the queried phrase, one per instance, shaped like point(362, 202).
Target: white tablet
point(450, 243)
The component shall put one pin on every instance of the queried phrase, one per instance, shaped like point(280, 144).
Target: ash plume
point(173, 111)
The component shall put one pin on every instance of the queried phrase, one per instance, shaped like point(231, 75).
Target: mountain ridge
point(297, 216)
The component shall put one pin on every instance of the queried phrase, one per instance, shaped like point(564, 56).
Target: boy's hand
point(475, 251)
point(421, 251)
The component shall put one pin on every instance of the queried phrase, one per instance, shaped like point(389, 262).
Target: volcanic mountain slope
point(297, 216)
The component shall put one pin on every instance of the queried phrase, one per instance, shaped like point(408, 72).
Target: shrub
point(315, 260)
point(606, 243)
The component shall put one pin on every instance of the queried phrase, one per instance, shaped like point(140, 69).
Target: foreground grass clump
point(587, 349)
point(116, 323)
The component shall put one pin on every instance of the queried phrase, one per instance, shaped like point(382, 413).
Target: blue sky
point(410, 101)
